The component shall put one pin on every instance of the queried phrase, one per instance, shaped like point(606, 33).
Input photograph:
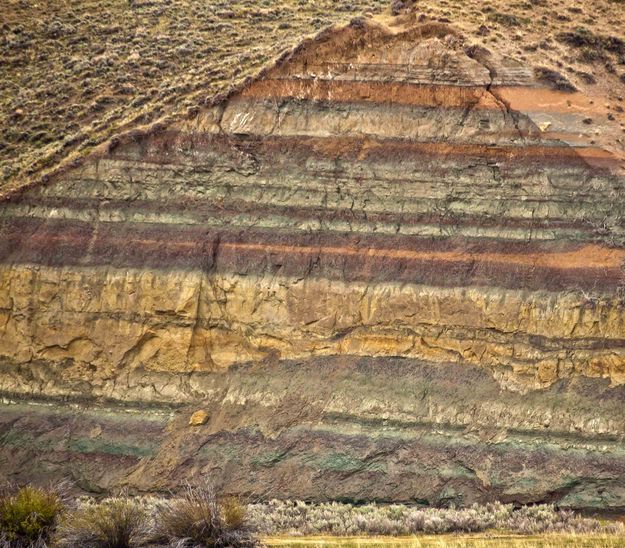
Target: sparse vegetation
point(199, 519)
point(507, 19)
point(113, 523)
point(553, 79)
point(298, 518)
point(75, 74)
point(28, 515)
point(584, 38)
point(477, 540)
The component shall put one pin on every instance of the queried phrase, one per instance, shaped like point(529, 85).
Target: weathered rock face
point(391, 267)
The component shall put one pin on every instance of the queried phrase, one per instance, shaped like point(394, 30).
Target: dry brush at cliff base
point(198, 519)
point(28, 516)
point(298, 518)
point(35, 518)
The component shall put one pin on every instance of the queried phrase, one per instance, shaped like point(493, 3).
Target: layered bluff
point(390, 267)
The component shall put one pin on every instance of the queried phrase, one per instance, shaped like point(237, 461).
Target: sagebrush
point(198, 518)
point(28, 515)
point(112, 523)
point(299, 518)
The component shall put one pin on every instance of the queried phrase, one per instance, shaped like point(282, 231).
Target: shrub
point(199, 519)
point(507, 19)
point(584, 38)
point(397, 6)
point(233, 513)
point(113, 523)
point(586, 77)
point(553, 79)
point(28, 516)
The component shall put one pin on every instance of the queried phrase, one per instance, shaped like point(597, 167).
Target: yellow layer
point(111, 319)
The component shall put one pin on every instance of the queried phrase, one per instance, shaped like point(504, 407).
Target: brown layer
point(161, 149)
point(521, 98)
point(449, 262)
point(425, 95)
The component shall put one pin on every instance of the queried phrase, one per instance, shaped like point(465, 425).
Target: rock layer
point(378, 194)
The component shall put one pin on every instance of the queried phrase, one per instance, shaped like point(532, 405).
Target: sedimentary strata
point(394, 262)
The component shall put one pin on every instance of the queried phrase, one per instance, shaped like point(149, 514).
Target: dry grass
point(297, 518)
point(28, 515)
point(113, 523)
point(452, 541)
point(76, 72)
point(198, 518)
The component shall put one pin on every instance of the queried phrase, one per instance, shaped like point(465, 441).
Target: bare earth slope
point(389, 268)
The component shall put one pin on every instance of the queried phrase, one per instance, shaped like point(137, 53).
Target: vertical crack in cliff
point(196, 319)
point(208, 265)
point(515, 116)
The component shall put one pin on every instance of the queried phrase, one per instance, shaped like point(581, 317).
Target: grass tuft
point(113, 523)
point(198, 519)
point(28, 516)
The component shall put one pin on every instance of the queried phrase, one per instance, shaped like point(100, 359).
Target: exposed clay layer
point(169, 147)
point(375, 195)
point(417, 432)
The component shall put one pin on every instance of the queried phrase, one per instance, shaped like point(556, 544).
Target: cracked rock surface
point(391, 268)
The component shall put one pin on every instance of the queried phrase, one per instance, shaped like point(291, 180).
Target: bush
point(584, 38)
point(28, 516)
point(507, 19)
point(397, 6)
point(233, 513)
point(198, 519)
point(554, 79)
point(113, 523)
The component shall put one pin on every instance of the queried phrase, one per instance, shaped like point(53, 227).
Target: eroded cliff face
point(390, 268)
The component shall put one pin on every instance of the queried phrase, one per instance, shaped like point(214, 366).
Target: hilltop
point(74, 74)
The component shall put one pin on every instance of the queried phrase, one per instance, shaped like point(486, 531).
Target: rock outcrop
point(391, 267)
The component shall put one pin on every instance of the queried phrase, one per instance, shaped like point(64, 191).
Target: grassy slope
point(79, 71)
point(75, 72)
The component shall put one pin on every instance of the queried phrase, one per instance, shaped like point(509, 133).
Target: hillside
point(391, 266)
point(73, 74)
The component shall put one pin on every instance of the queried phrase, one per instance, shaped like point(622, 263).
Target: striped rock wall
point(391, 267)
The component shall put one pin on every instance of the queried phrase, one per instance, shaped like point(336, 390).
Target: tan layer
point(535, 99)
point(183, 321)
